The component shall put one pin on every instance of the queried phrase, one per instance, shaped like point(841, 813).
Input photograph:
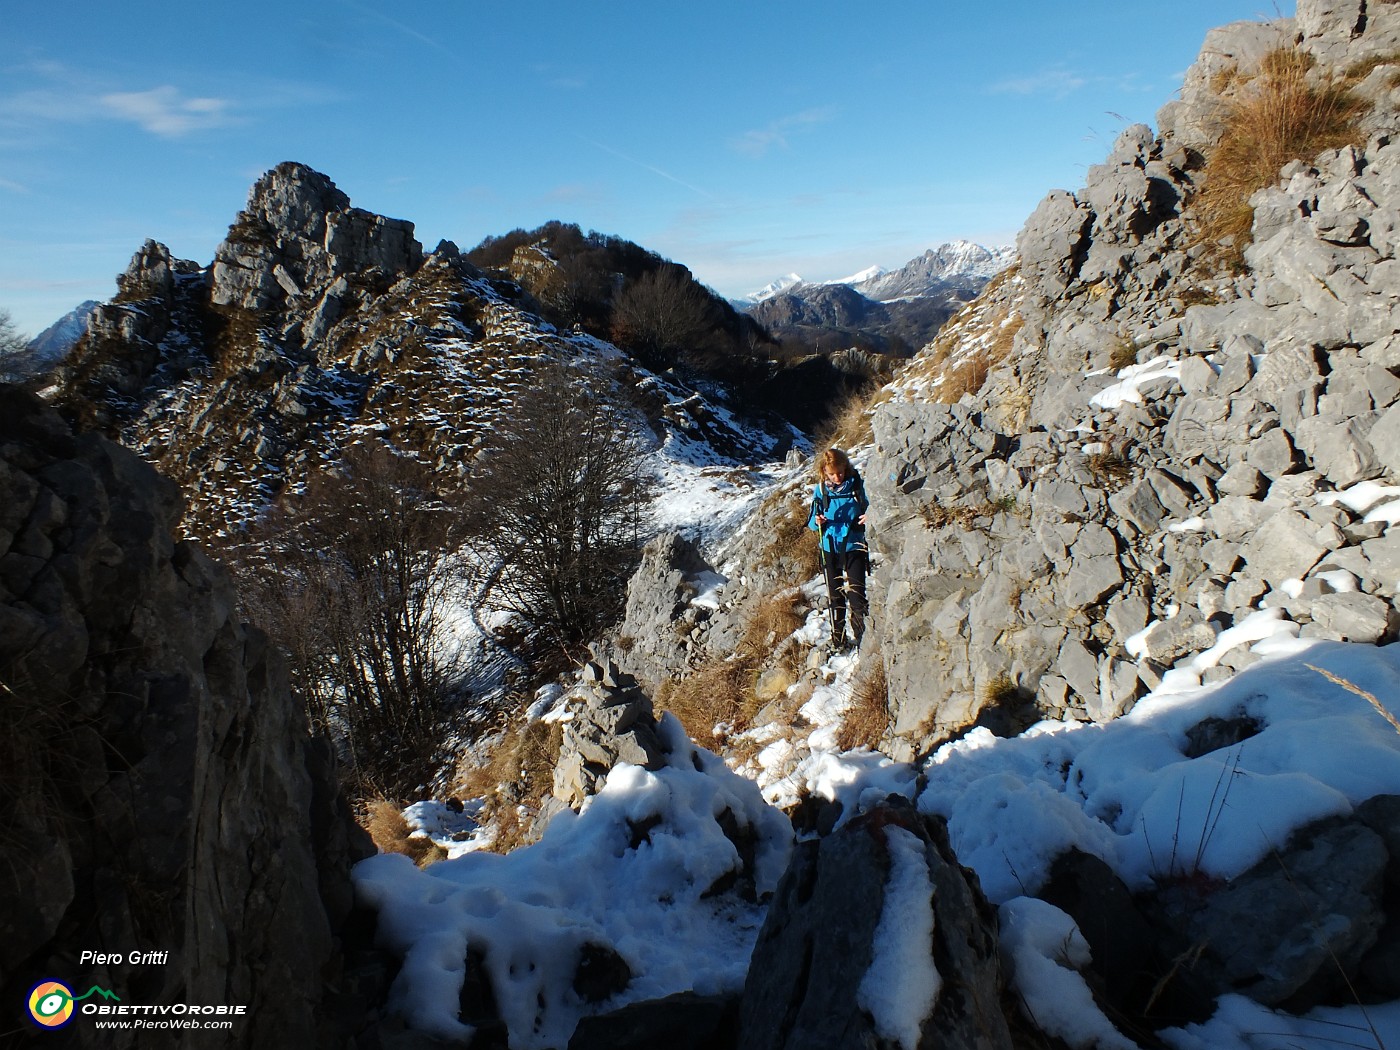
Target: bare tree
point(350, 578)
point(665, 318)
point(557, 502)
point(14, 350)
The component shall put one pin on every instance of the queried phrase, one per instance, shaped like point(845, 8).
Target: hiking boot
point(857, 625)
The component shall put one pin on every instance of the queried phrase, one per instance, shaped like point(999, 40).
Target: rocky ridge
point(319, 325)
point(1160, 451)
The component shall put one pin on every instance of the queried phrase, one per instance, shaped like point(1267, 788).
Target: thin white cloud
point(574, 193)
point(758, 141)
point(649, 167)
point(406, 30)
point(1057, 83)
point(62, 94)
point(166, 112)
point(13, 187)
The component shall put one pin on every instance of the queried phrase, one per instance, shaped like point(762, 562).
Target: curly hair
point(836, 460)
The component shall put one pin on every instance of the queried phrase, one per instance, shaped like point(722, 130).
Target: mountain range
point(954, 262)
point(889, 311)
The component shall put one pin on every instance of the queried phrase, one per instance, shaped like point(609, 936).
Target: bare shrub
point(556, 504)
point(665, 318)
point(1123, 355)
point(868, 718)
point(1284, 113)
point(350, 579)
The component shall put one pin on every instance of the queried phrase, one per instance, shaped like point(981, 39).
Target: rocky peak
point(299, 236)
point(150, 274)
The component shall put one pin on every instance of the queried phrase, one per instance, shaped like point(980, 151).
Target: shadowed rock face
point(819, 941)
point(161, 792)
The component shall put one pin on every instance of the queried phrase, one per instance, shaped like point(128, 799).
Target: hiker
point(838, 517)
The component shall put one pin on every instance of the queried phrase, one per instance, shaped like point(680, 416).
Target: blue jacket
point(842, 505)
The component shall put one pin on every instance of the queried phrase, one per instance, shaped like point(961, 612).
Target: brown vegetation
point(1283, 113)
point(349, 578)
point(868, 718)
point(792, 548)
point(391, 834)
point(515, 779)
point(721, 691)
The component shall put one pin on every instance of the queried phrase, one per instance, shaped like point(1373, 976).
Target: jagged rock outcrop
point(609, 720)
point(1029, 535)
point(319, 326)
point(660, 623)
point(162, 794)
point(300, 240)
point(886, 882)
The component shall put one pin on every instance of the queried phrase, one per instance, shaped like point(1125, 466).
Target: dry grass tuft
point(1363, 68)
point(721, 692)
point(1123, 355)
point(1280, 115)
point(1001, 690)
point(850, 422)
point(793, 546)
point(967, 377)
point(773, 618)
point(515, 779)
point(868, 718)
point(1352, 687)
point(390, 831)
point(1110, 466)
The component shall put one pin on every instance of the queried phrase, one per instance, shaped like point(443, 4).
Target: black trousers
point(845, 586)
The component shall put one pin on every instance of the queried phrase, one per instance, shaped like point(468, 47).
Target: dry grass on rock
point(1283, 113)
point(868, 718)
point(722, 691)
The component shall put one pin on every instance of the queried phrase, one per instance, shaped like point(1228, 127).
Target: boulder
point(826, 971)
point(1292, 929)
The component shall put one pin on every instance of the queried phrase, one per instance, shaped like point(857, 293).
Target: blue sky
point(745, 140)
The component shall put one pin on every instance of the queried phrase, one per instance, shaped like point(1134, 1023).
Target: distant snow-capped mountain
point(955, 263)
point(870, 273)
point(58, 338)
point(931, 273)
point(892, 311)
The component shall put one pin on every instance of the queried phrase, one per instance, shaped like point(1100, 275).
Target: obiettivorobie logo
point(51, 1002)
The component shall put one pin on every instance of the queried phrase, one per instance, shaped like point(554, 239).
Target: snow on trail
point(1132, 792)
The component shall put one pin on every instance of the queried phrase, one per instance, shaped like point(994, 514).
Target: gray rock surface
point(1285, 932)
point(162, 791)
point(817, 943)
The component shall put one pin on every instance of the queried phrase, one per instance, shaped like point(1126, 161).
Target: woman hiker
point(838, 517)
